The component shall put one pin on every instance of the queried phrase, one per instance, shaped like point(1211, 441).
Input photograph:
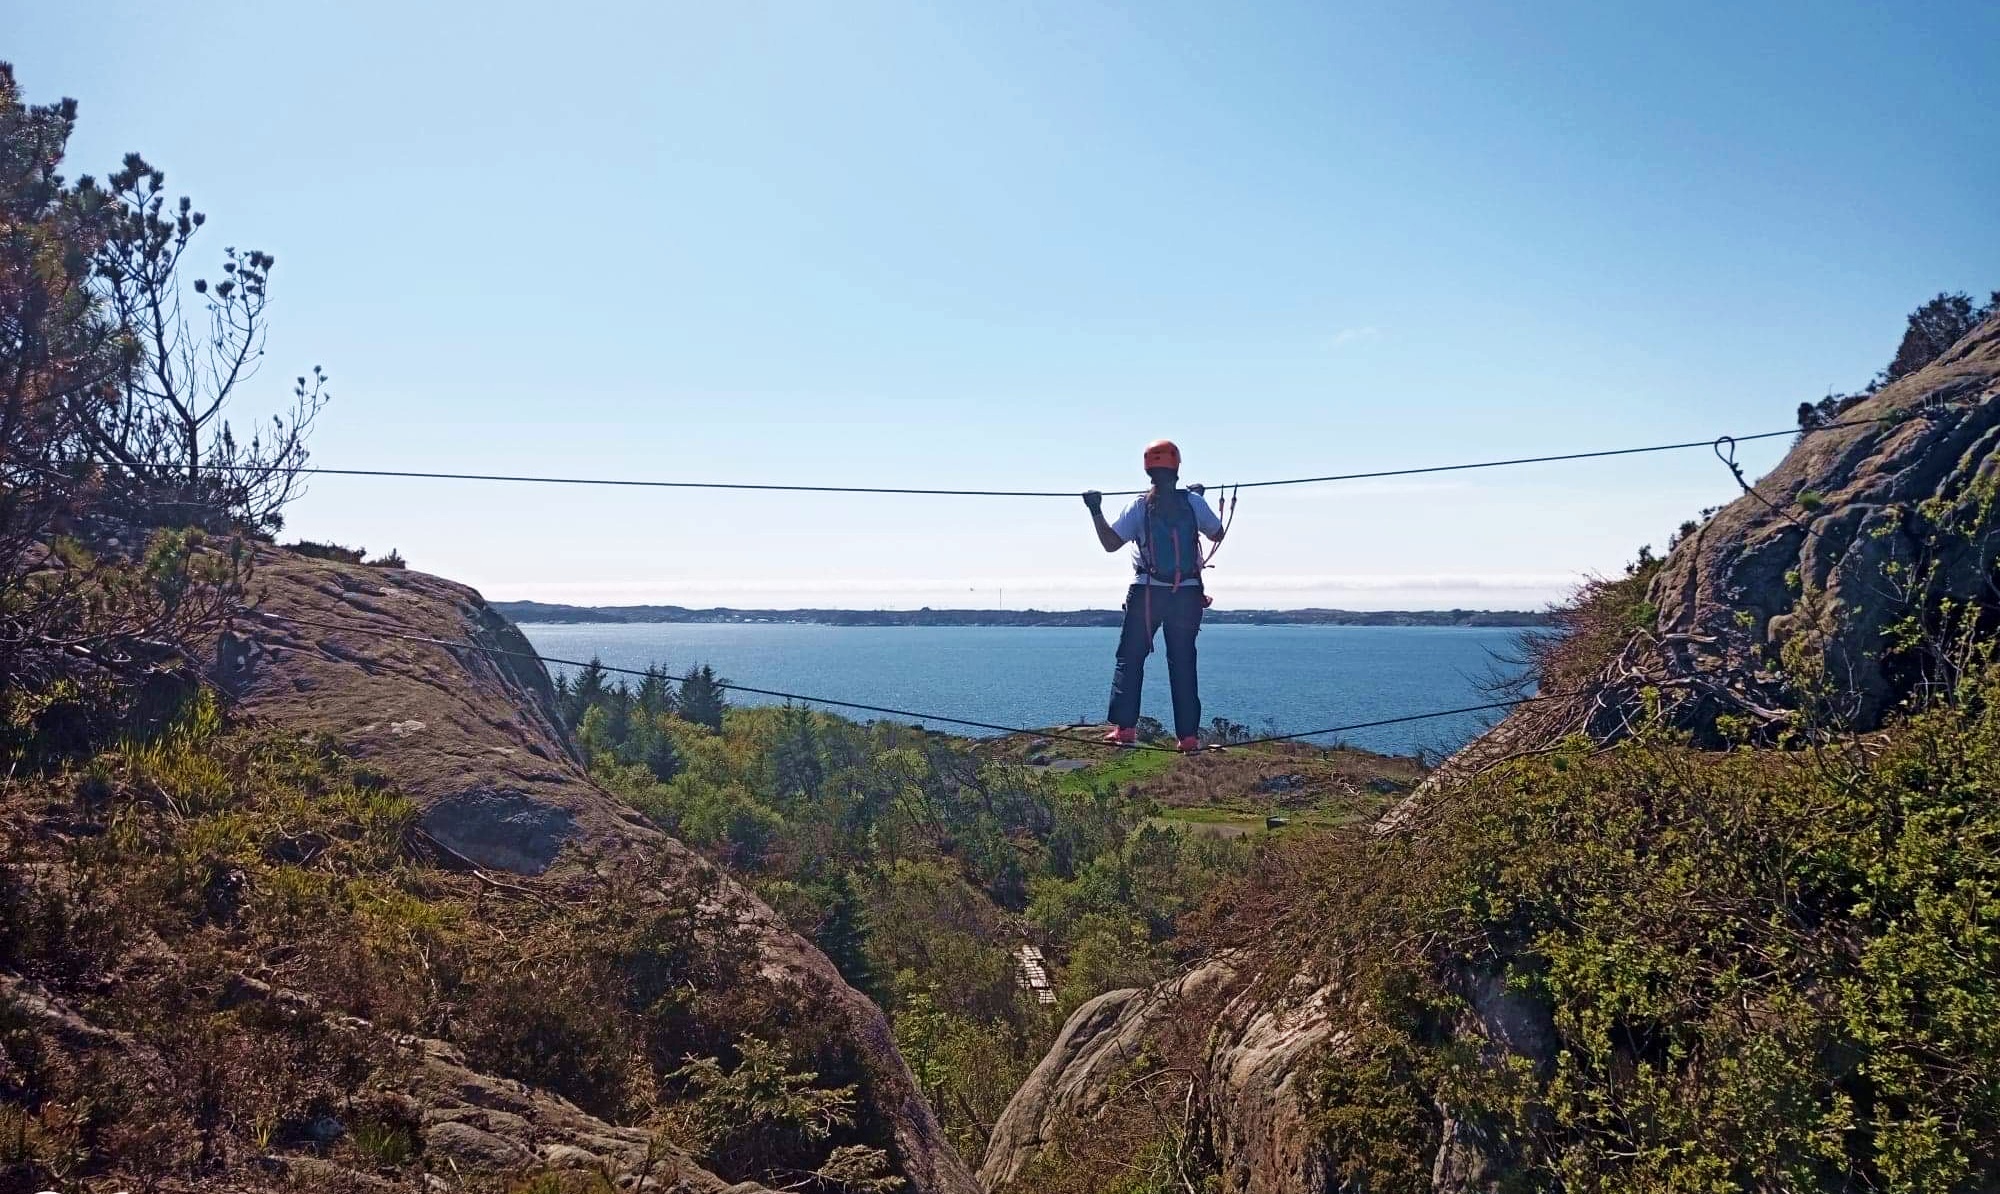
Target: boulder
point(1796, 566)
point(1252, 1050)
point(484, 1124)
point(1260, 1064)
point(474, 1150)
point(467, 727)
point(471, 733)
point(1253, 1046)
point(325, 1177)
point(1471, 1158)
point(1069, 1084)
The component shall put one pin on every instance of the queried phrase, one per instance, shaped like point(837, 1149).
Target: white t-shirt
point(1131, 527)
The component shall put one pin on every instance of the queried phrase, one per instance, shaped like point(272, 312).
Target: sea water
point(1282, 679)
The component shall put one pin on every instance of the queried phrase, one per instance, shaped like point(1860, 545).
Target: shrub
point(1585, 633)
point(764, 1119)
point(1761, 969)
point(385, 1142)
point(1932, 329)
point(550, 1026)
point(328, 551)
point(565, 1182)
point(145, 884)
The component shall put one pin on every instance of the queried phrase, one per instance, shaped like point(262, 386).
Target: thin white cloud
point(1351, 335)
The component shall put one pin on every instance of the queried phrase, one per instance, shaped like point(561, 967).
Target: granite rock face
point(1254, 1050)
point(470, 733)
point(1859, 526)
point(1252, 1053)
point(473, 1124)
point(1886, 513)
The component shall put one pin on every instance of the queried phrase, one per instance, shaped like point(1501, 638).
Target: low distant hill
point(537, 611)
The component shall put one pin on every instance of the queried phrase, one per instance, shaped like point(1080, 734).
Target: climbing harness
point(1226, 511)
point(1149, 564)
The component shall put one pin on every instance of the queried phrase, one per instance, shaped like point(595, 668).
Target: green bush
point(328, 551)
point(764, 1118)
point(1763, 969)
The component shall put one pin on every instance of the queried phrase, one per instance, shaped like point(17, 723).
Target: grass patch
point(391, 1144)
point(1213, 815)
point(1236, 818)
point(1122, 768)
point(1221, 826)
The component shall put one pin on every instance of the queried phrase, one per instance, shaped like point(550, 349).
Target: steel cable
point(349, 628)
point(639, 483)
point(962, 721)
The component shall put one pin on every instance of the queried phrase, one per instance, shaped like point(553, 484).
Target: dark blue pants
point(1145, 612)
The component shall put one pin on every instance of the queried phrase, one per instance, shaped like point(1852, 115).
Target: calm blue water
point(1292, 678)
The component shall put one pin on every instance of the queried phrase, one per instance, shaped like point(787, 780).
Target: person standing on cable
point(1164, 526)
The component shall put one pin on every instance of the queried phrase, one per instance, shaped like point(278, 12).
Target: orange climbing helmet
point(1162, 453)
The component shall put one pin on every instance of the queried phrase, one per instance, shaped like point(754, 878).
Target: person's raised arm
point(1111, 539)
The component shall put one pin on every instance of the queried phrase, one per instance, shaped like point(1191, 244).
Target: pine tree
point(702, 701)
point(618, 714)
point(585, 692)
point(660, 756)
point(1933, 329)
point(795, 758)
point(655, 696)
point(843, 935)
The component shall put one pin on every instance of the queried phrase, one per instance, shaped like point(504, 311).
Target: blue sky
point(1006, 245)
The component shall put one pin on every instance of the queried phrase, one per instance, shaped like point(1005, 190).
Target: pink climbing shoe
point(1122, 736)
point(1190, 744)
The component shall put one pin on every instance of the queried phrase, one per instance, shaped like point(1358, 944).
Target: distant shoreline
point(546, 613)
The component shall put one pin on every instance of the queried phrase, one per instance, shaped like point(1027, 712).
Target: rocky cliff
point(1784, 600)
point(471, 736)
point(1862, 524)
